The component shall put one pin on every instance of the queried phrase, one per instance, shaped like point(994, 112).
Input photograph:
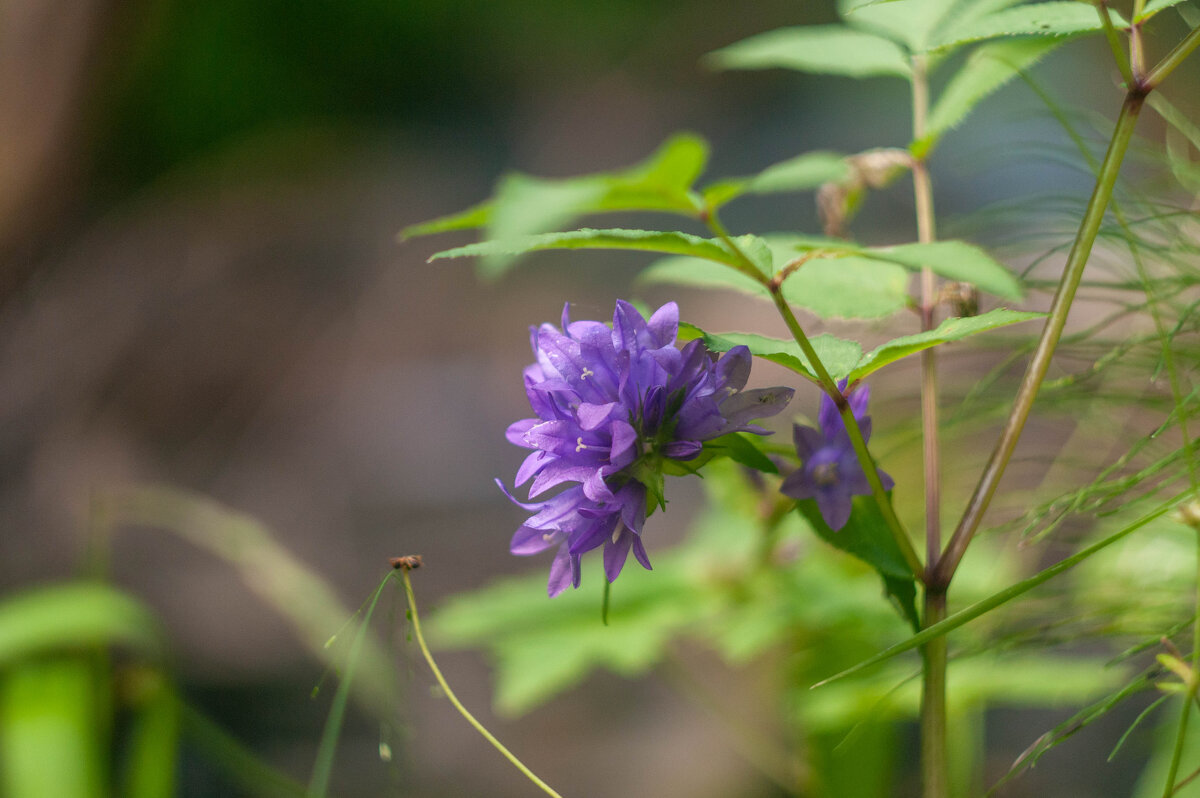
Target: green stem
point(934, 764)
point(1040, 362)
point(1172, 60)
point(1193, 684)
point(441, 680)
point(856, 438)
point(1114, 42)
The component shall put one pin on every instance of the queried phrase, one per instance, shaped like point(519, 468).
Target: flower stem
point(856, 439)
point(1172, 60)
point(441, 680)
point(1040, 362)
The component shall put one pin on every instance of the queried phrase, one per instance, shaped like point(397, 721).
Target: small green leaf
point(867, 537)
point(949, 330)
point(955, 260)
point(743, 449)
point(838, 355)
point(645, 240)
point(818, 49)
point(988, 68)
point(1057, 18)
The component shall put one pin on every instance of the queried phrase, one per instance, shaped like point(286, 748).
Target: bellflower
point(829, 470)
point(611, 404)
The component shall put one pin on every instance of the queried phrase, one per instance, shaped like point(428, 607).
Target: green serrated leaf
point(949, 330)
point(644, 240)
point(838, 355)
point(1057, 18)
point(817, 49)
point(955, 260)
point(848, 288)
point(807, 171)
point(867, 537)
point(910, 23)
point(987, 69)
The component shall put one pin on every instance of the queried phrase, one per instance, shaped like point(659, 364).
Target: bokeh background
point(202, 287)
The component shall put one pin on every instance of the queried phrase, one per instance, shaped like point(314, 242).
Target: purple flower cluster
point(611, 403)
point(830, 471)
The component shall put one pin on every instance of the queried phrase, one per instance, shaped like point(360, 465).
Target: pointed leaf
point(1057, 18)
point(910, 22)
point(818, 49)
point(988, 68)
point(696, 273)
point(955, 260)
point(949, 330)
point(646, 240)
point(476, 216)
point(802, 173)
point(838, 355)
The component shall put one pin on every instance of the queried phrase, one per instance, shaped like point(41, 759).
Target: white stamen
point(587, 372)
point(579, 444)
point(547, 536)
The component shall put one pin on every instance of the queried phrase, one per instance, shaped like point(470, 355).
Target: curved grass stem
point(441, 680)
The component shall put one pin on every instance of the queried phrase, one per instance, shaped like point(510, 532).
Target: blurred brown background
point(201, 286)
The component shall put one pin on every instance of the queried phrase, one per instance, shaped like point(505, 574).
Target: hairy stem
point(441, 680)
point(1040, 362)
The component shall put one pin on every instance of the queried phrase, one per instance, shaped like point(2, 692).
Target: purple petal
point(639, 551)
point(746, 406)
point(624, 448)
point(682, 450)
point(627, 324)
point(591, 416)
point(807, 440)
point(526, 541)
point(561, 572)
point(663, 325)
point(828, 417)
point(632, 499)
point(733, 369)
point(616, 550)
point(534, 463)
point(516, 432)
point(834, 504)
point(798, 485)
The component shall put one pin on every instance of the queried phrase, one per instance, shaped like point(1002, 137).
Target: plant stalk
point(1035, 373)
point(441, 680)
point(1192, 687)
point(935, 767)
